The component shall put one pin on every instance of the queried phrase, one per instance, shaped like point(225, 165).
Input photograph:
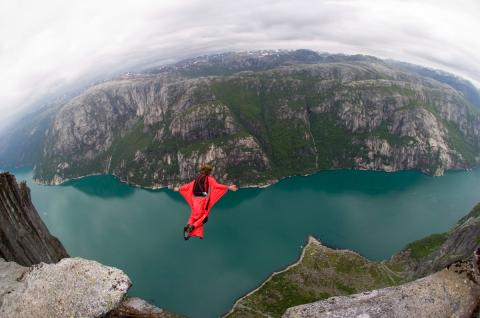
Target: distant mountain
point(22, 143)
point(470, 92)
point(257, 117)
point(233, 62)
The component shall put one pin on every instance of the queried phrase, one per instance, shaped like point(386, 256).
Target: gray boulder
point(73, 287)
point(452, 292)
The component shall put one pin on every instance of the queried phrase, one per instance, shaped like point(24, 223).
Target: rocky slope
point(452, 289)
point(260, 116)
point(452, 292)
point(138, 308)
point(24, 237)
point(71, 288)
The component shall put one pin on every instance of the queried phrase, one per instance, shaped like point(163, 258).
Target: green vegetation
point(334, 142)
point(264, 107)
point(459, 142)
point(474, 213)
point(125, 146)
point(426, 246)
point(320, 274)
point(324, 272)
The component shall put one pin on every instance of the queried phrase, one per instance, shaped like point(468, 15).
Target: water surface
point(250, 233)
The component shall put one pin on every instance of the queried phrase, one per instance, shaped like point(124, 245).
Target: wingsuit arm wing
point(217, 190)
point(186, 191)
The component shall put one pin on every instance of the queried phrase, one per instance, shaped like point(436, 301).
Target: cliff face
point(259, 123)
point(24, 237)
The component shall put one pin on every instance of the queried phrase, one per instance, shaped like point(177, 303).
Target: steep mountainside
point(282, 119)
point(24, 238)
point(257, 117)
point(471, 93)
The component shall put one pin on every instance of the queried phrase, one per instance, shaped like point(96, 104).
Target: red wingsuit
point(201, 206)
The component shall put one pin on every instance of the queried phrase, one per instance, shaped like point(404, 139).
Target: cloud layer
point(48, 44)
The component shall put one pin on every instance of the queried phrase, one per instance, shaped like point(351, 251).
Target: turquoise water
point(250, 233)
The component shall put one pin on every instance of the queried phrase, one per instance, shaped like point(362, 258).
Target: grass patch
point(346, 289)
point(280, 293)
point(426, 246)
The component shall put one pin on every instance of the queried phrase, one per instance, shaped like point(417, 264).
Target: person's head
point(206, 169)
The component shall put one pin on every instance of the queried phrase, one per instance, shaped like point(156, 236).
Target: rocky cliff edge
point(37, 279)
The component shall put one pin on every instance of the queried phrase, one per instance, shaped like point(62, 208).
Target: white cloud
point(47, 44)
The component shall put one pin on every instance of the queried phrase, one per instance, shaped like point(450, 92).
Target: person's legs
point(197, 214)
point(187, 230)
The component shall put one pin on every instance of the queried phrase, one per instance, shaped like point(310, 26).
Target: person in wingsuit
point(201, 195)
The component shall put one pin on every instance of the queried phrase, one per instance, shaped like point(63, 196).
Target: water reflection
point(101, 186)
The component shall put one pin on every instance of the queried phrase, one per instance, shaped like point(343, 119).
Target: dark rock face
point(24, 238)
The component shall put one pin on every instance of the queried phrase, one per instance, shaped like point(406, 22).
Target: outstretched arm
point(221, 186)
point(180, 188)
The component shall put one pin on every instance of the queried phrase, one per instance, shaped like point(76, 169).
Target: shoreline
point(154, 187)
point(310, 240)
point(259, 186)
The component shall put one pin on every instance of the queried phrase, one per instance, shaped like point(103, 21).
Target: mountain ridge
point(279, 113)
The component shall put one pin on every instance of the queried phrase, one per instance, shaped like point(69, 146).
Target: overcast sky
point(48, 44)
